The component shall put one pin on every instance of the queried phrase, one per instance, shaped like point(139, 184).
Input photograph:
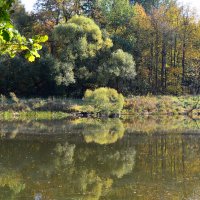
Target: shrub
point(3, 99)
point(105, 100)
point(14, 98)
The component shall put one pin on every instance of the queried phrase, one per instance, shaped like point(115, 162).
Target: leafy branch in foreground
point(11, 41)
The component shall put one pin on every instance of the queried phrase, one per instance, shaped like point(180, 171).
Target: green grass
point(31, 115)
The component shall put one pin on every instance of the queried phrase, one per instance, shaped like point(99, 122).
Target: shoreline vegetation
point(60, 108)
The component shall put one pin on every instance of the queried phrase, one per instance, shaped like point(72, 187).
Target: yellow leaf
point(24, 48)
point(31, 58)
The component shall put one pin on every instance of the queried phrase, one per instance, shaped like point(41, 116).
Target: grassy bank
point(163, 105)
point(31, 115)
point(156, 105)
point(55, 108)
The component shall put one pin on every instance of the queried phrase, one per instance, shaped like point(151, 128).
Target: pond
point(148, 158)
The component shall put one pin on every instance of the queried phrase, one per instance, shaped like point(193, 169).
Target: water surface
point(87, 159)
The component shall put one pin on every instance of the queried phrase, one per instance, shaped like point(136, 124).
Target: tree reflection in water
point(99, 131)
point(110, 163)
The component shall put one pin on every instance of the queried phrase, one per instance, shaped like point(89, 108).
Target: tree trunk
point(175, 46)
point(164, 61)
point(156, 63)
point(183, 61)
point(151, 68)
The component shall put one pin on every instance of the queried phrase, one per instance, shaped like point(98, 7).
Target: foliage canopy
point(80, 38)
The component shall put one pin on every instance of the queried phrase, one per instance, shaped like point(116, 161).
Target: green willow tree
point(79, 38)
point(78, 43)
point(118, 70)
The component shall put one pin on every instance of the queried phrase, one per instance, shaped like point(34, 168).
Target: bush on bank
point(106, 101)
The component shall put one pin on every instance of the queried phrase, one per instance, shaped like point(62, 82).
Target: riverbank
point(163, 105)
point(55, 108)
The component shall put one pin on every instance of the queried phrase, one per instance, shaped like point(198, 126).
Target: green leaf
point(6, 35)
point(11, 40)
point(24, 48)
point(35, 53)
point(30, 57)
point(41, 39)
point(44, 38)
point(37, 46)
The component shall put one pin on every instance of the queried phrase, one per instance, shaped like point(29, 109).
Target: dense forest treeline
point(137, 47)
